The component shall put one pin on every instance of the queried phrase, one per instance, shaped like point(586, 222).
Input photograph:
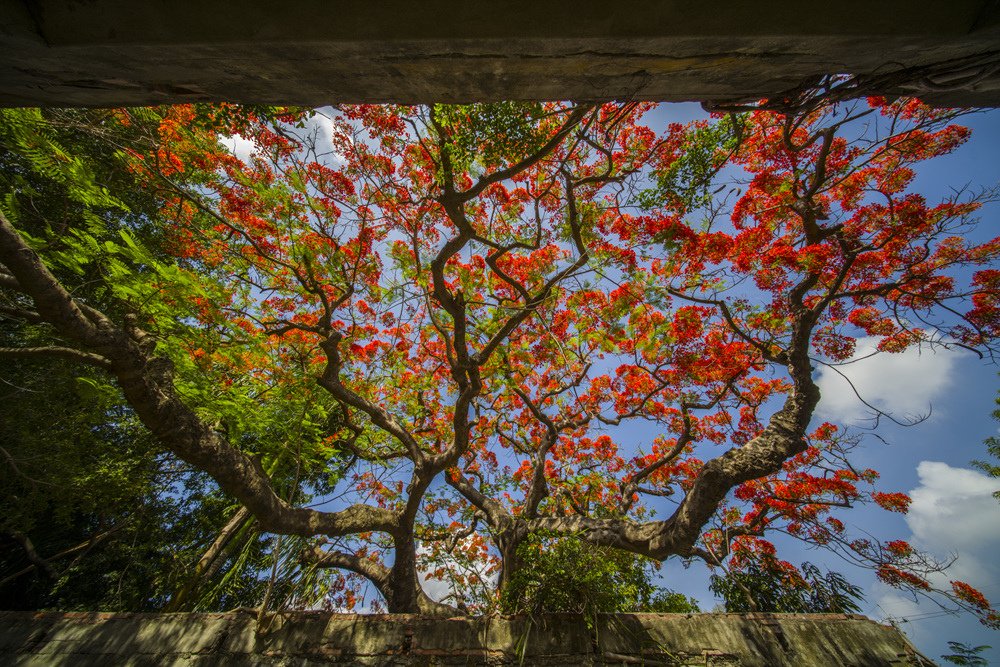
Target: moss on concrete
point(314, 638)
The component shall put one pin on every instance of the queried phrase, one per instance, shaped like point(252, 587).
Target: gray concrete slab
point(315, 52)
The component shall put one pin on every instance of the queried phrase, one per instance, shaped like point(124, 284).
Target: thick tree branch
point(82, 546)
point(379, 575)
point(29, 316)
point(207, 563)
point(575, 117)
point(330, 380)
point(10, 282)
point(29, 550)
point(147, 384)
point(371, 570)
point(56, 351)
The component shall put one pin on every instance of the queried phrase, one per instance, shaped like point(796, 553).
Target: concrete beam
point(314, 52)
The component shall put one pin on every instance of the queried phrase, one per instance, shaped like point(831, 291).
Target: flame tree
point(415, 339)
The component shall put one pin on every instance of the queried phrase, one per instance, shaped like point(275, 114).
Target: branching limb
point(57, 351)
point(575, 117)
point(330, 380)
point(10, 282)
point(380, 576)
point(83, 546)
point(146, 381)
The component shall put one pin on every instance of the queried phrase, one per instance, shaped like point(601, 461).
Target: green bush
point(569, 575)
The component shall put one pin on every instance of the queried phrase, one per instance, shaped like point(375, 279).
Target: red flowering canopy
point(517, 319)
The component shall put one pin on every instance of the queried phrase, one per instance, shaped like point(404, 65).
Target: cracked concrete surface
point(119, 52)
point(313, 638)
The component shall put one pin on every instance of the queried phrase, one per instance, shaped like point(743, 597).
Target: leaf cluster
point(993, 449)
point(965, 654)
point(119, 524)
point(686, 182)
point(571, 576)
point(769, 586)
point(490, 134)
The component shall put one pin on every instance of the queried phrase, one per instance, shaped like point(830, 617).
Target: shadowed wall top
point(314, 52)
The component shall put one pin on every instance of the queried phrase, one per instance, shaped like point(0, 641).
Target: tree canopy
point(407, 343)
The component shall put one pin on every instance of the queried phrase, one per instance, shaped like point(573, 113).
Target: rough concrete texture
point(315, 52)
point(314, 638)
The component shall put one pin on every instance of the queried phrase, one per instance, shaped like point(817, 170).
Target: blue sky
point(953, 513)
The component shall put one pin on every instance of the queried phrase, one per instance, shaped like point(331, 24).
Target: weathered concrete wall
point(313, 638)
point(108, 52)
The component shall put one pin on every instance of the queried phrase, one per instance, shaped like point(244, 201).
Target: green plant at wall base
point(769, 585)
point(570, 576)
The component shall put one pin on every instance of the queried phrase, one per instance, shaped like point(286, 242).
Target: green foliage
point(764, 585)
point(490, 134)
point(670, 602)
point(79, 474)
point(35, 139)
point(76, 467)
point(569, 575)
point(991, 469)
point(993, 449)
point(687, 181)
point(963, 654)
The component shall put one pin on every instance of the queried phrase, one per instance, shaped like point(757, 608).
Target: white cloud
point(239, 146)
point(954, 512)
point(443, 590)
point(320, 128)
point(904, 384)
point(436, 589)
point(893, 604)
